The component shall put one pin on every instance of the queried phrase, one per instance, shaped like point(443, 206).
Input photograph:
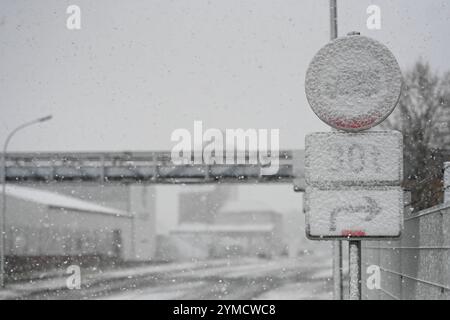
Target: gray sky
point(137, 70)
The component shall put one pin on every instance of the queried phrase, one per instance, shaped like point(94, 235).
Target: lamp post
point(3, 180)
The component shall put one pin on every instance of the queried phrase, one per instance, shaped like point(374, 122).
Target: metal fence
point(418, 265)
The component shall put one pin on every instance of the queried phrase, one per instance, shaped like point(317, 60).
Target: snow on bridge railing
point(148, 167)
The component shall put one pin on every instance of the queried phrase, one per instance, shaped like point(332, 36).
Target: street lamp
point(3, 180)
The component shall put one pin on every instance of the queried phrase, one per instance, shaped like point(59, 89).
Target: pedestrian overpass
point(145, 167)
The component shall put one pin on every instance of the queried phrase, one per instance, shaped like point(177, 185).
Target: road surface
point(305, 277)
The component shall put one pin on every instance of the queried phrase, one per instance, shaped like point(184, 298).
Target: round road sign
point(353, 83)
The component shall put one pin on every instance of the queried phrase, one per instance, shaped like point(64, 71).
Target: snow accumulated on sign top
point(353, 83)
point(349, 159)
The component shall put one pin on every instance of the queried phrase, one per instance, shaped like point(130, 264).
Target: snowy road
point(307, 277)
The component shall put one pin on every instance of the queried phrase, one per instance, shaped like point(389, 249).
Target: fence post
point(446, 182)
point(446, 230)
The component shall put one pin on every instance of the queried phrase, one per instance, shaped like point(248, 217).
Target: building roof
point(59, 201)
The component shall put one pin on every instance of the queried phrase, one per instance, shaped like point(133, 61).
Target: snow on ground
point(243, 279)
point(298, 291)
point(88, 277)
point(167, 292)
point(305, 277)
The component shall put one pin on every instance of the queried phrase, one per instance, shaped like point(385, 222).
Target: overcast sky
point(137, 70)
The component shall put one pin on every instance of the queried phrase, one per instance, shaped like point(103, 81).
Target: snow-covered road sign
point(354, 212)
point(353, 178)
point(353, 83)
point(351, 159)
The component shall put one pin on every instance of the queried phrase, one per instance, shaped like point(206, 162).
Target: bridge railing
point(148, 167)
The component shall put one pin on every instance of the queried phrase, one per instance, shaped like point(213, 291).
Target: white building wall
point(138, 234)
point(35, 229)
point(138, 199)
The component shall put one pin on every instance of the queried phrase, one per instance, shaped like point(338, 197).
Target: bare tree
point(423, 116)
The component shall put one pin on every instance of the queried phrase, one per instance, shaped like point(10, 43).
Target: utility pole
point(333, 20)
point(337, 244)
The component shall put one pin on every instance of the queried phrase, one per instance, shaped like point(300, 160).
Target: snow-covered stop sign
point(353, 83)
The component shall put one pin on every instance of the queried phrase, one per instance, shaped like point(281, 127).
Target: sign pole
point(333, 20)
point(337, 270)
point(355, 269)
point(337, 245)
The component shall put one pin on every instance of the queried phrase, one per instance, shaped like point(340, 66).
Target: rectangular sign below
point(369, 158)
point(354, 212)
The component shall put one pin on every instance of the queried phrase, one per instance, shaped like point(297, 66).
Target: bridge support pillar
point(142, 206)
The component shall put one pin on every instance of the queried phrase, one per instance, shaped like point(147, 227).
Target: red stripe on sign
point(354, 123)
point(353, 233)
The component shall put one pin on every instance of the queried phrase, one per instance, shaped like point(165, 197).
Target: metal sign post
point(355, 269)
point(338, 288)
point(353, 178)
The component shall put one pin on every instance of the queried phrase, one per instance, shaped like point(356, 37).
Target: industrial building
point(240, 229)
point(48, 225)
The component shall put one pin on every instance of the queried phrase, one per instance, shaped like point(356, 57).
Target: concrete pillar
point(447, 182)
